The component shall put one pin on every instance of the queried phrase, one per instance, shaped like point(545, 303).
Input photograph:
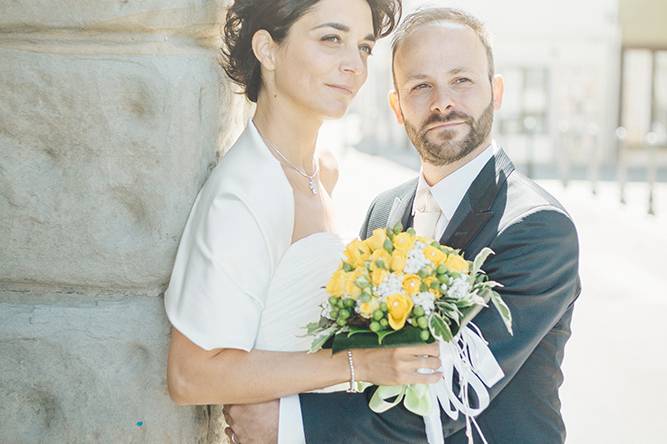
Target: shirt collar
point(449, 192)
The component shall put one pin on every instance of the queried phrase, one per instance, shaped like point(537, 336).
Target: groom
point(470, 196)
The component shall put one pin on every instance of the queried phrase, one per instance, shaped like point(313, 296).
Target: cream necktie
point(427, 213)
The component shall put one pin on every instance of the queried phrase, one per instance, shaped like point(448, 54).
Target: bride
point(259, 243)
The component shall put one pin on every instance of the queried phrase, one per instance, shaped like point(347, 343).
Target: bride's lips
point(341, 88)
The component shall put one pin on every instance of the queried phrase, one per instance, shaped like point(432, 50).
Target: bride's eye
point(368, 49)
point(332, 39)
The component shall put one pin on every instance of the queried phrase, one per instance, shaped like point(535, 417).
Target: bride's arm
point(230, 376)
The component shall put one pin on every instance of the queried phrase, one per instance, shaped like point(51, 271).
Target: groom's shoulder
point(526, 201)
point(387, 197)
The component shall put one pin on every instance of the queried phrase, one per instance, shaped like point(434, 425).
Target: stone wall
point(111, 115)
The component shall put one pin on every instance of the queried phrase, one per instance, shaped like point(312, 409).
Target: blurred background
point(113, 113)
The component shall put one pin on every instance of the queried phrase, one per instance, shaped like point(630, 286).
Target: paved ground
point(615, 364)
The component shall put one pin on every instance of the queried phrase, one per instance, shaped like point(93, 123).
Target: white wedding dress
point(294, 299)
point(296, 292)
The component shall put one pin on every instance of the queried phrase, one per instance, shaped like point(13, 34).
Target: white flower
point(460, 288)
point(426, 300)
point(391, 285)
point(416, 259)
point(326, 311)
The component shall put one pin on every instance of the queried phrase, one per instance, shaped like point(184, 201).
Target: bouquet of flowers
point(397, 288)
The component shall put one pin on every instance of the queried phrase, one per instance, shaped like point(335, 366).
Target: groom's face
point(444, 95)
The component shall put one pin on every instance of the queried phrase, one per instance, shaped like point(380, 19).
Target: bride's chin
point(334, 113)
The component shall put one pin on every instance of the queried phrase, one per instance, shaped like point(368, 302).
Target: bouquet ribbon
point(469, 355)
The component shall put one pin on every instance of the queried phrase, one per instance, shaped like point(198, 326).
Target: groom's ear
point(395, 106)
point(498, 85)
point(264, 49)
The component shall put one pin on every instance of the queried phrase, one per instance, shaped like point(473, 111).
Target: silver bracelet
point(353, 380)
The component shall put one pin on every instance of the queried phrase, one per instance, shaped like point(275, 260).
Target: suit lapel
point(475, 209)
point(401, 210)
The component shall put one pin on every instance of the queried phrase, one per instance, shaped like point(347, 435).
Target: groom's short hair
point(429, 15)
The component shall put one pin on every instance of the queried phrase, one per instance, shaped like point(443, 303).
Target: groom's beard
point(446, 150)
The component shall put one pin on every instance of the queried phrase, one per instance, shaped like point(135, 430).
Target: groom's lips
point(444, 125)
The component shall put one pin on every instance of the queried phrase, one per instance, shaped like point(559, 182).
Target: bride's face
point(322, 62)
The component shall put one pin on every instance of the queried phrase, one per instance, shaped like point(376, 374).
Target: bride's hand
point(398, 366)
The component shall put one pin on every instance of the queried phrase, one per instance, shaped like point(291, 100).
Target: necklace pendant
point(312, 186)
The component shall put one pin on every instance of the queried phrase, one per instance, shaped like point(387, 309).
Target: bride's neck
point(288, 129)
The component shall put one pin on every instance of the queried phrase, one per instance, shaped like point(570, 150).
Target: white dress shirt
point(449, 192)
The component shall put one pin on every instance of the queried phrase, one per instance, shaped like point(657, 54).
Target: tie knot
point(425, 203)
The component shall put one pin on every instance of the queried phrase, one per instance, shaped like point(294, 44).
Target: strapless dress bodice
point(296, 292)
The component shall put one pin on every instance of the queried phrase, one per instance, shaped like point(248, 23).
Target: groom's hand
point(253, 423)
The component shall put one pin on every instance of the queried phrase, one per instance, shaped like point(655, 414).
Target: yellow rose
point(424, 240)
point(434, 255)
point(456, 263)
point(398, 261)
point(351, 288)
point(378, 275)
point(376, 241)
point(366, 309)
point(399, 307)
point(357, 253)
point(411, 284)
point(429, 281)
point(403, 242)
point(380, 255)
point(336, 285)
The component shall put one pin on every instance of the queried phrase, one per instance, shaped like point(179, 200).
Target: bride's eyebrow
point(343, 28)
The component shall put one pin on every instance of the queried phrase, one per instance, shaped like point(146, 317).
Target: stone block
point(119, 15)
point(101, 157)
point(79, 369)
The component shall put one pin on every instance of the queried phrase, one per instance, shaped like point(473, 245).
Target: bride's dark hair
point(246, 17)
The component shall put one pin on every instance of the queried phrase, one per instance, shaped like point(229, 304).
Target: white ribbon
point(477, 368)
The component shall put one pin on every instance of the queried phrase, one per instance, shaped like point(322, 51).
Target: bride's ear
point(395, 105)
point(264, 48)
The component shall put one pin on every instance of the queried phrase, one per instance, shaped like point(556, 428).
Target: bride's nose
point(353, 62)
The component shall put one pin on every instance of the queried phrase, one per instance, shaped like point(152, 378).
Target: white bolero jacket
point(238, 229)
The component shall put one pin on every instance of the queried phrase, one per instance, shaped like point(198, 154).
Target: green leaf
point(313, 328)
point(356, 330)
point(480, 259)
point(503, 309)
point(319, 342)
point(440, 328)
point(493, 284)
point(454, 315)
point(408, 335)
point(383, 334)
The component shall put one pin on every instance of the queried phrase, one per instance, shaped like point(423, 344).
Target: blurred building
point(575, 71)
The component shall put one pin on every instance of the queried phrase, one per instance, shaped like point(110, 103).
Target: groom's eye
point(420, 87)
point(462, 80)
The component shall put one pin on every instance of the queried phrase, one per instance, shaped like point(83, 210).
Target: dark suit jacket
point(536, 259)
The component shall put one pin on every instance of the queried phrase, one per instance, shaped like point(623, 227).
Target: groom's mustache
point(445, 118)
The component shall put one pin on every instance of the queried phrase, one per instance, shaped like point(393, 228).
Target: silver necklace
point(312, 184)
